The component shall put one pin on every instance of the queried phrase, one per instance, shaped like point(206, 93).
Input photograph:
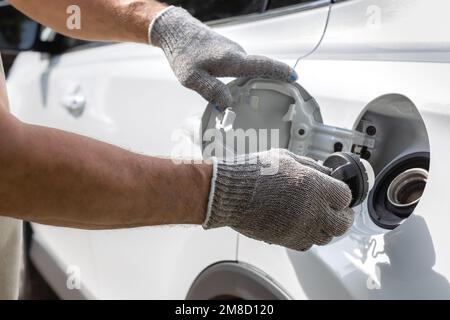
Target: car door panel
point(372, 49)
point(132, 99)
point(167, 118)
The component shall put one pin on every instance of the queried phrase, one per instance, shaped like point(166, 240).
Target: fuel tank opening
point(398, 189)
point(407, 188)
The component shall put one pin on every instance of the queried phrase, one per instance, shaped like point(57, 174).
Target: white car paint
point(134, 100)
point(356, 63)
point(369, 49)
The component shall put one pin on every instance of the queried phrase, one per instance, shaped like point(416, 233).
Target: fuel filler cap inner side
point(270, 109)
point(280, 115)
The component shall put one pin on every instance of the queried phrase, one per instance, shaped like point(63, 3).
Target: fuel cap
point(353, 171)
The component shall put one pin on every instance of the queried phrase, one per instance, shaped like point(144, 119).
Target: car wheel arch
point(235, 280)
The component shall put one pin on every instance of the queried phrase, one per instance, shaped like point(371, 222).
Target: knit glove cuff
point(166, 30)
point(232, 186)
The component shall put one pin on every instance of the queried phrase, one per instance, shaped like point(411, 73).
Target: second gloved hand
point(281, 198)
point(198, 55)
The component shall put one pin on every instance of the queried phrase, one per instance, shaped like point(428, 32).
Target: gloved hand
point(296, 207)
point(198, 55)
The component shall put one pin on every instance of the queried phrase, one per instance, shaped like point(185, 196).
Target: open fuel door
point(270, 114)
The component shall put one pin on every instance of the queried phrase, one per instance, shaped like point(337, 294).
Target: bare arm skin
point(101, 20)
point(58, 178)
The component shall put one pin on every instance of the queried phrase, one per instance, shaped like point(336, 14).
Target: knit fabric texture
point(280, 198)
point(198, 55)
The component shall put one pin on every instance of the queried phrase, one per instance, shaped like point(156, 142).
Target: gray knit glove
point(198, 55)
point(296, 207)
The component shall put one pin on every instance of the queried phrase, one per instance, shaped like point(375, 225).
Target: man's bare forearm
point(101, 20)
point(58, 178)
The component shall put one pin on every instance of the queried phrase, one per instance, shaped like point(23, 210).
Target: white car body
point(351, 53)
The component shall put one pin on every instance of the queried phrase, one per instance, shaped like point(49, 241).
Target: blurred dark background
point(12, 27)
point(203, 10)
point(8, 60)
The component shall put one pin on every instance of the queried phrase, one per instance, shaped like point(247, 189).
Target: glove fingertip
point(222, 98)
point(293, 76)
point(341, 195)
point(283, 72)
point(304, 248)
point(344, 222)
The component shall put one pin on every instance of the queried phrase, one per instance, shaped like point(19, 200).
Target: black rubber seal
point(381, 211)
point(347, 167)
